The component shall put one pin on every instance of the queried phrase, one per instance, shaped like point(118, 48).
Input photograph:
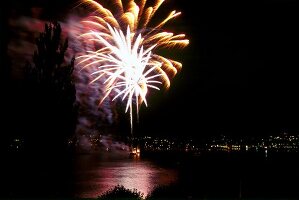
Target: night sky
point(239, 74)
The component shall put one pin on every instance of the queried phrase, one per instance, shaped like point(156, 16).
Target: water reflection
point(96, 174)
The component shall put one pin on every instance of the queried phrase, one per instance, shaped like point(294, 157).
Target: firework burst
point(124, 55)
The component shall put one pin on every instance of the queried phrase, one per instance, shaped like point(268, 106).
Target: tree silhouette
point(51, 90)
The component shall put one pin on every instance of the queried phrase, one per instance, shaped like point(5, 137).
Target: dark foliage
point(41, 116)
point(51, 91)
point(120, 192)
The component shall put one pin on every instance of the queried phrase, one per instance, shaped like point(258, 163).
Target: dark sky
point(239, 72)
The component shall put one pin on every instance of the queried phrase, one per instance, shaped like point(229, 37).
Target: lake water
point(211, 175)
point(96, 173)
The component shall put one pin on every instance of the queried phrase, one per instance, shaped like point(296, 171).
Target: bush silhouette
point(120, 192)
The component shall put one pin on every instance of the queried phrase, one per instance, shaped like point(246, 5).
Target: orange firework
point(125, 46)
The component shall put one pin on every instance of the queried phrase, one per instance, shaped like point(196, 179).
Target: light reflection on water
point(96, 174)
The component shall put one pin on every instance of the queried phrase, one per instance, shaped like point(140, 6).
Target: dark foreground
point(204, 176)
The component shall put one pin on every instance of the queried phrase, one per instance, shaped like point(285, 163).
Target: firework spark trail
point(125, 50)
